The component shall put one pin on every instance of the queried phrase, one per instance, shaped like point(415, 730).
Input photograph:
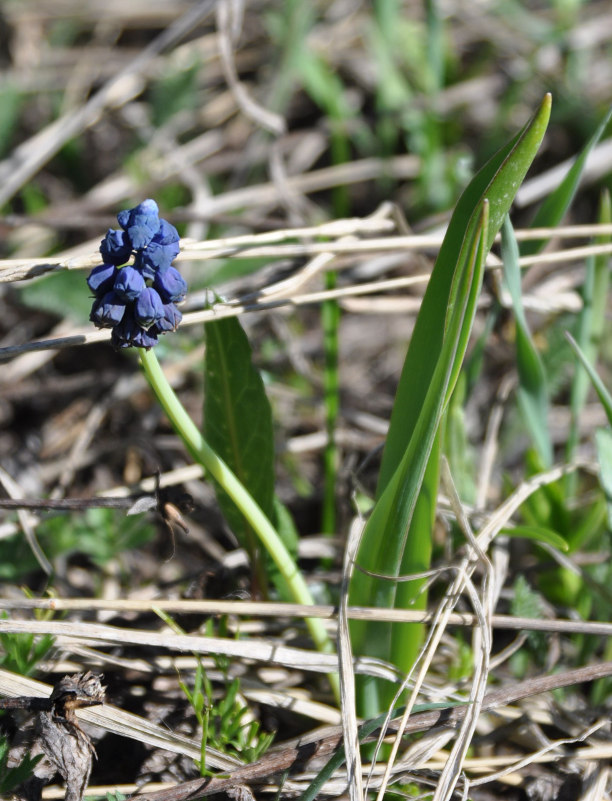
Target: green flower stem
point(221, 473)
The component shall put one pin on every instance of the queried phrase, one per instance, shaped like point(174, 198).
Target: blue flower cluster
point(138, 300)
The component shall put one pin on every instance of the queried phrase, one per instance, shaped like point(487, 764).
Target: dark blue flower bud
point(101, 279)
point(141, 223)
point(129, 283)
point(125, 331)
point(170, 319)
point(146, 269)
point(162, 249)
point(129, 334)
point(167, 235)
point(170, 285)
point(116, 247)
point(144, 339)
point(107, 311)
point(149, 308)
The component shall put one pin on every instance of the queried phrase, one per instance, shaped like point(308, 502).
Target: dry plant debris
point(57, 736)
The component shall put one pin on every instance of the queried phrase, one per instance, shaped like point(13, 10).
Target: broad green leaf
point(556, 204)
point(538, 534)
point(393, 521)
point(457, 447)
point(498, 181)
point(238, 424)
point(429, 375)
point(532, 391)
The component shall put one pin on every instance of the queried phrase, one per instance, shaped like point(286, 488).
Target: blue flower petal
point(169, 320)
point(167, 235)
point(144, 339)
point(161, 250)
point(141, 223)
point(171, 285)
point(101, 279)
point(107, 311)
point(129, 283)
point(159, 257)
point(149, 308)
point(128, 333)
point(116, 247)
point(144, 268)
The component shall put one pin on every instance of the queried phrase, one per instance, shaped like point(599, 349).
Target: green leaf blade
point(238, 420)
point(532, 391)
point(498, 181)
point(557, 203)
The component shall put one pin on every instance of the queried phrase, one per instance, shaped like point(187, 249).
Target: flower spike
point(136, 288)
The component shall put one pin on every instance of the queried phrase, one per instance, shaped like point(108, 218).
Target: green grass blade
point(532, 391)
point(538, 534)
point(498, 181)
point(238, 426)
point(556, 204)
point(590, 326)
point(603, 444)
point(598, 385)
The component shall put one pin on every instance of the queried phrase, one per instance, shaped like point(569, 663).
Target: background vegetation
point(246, 122)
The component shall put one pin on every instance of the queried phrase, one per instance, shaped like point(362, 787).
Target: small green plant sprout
point(12, 777)
point(225, 721)
point(222, 720)
point(21, 653)
point(116, 796)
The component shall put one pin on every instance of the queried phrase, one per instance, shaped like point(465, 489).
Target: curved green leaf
point(538, 534)
point(556, 204)
point(591, 326)
point(598, 384)
point(396, 538)
point(498, 181)
point(603, 444)
point(532, 390)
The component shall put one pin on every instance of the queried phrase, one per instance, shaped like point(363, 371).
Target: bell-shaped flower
point(161, 250)
point(129, 283)
point(101, 279)
point(116, 247)
point(140, 223)
point(144, 339)
point(170, 319)
point(107, 311)
point(149, 308)
point(171, 285)
point(129, 334)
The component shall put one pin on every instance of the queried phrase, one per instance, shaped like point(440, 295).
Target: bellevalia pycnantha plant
point(136, 290)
